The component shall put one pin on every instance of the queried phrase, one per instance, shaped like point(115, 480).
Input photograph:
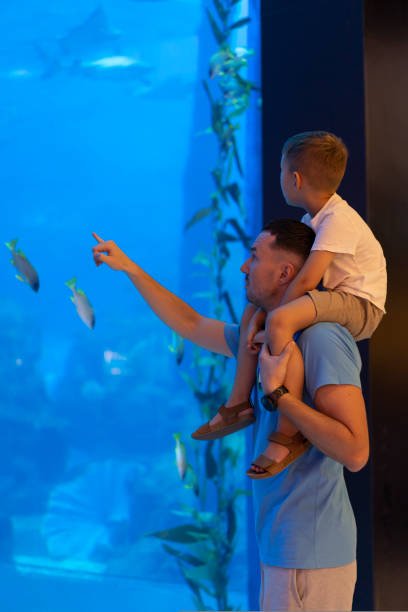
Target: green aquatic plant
point(204, 545)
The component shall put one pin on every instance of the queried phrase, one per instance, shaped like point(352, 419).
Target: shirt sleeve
point(231, 335)
point(336, 233)
point(331, 357)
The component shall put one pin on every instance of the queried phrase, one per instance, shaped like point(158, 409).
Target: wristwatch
point(270, 402)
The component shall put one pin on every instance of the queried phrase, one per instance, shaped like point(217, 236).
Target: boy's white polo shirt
point(359, 265)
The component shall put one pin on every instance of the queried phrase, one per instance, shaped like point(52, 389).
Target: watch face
point(268, 403)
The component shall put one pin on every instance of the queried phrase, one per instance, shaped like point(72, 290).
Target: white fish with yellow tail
point(181, 459)
point(82, 304)
point(27, 272)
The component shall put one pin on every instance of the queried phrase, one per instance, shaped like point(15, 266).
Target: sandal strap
point(287, 441)
point(230, 413)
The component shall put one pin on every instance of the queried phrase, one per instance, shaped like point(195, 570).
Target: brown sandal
point(230, 423)
point(296, 444)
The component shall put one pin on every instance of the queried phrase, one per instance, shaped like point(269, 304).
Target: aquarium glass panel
point(106, 126)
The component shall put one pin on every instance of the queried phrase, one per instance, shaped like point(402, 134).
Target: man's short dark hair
point(291, 235)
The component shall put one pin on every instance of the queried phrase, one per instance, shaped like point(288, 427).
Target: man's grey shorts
point(358, 315)
point(293, 590)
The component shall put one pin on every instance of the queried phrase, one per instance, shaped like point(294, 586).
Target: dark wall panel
point(313, 78)
point(386, 46)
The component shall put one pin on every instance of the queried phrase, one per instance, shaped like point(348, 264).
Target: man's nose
point(244, 267)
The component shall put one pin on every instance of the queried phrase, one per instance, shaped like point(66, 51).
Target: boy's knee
point(277, 322)
point(276, 318)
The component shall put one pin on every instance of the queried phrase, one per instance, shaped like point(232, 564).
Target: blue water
point(87, 417)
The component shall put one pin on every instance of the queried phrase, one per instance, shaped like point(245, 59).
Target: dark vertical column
point(313, 78)
point(386, 53)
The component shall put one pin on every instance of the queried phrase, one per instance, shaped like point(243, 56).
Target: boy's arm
point(174, 312)
point(309, 276)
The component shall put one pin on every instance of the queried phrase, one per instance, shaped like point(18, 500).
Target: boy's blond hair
point(321, 157)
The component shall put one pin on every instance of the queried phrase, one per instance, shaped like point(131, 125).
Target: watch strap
point(277, 394)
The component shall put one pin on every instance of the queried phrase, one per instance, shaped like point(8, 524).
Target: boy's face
point(288, 184)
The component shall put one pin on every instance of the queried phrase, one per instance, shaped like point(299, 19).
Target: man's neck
point(273, 302)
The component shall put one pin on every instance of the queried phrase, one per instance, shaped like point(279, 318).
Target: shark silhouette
point(91, 39)
point(91, 49)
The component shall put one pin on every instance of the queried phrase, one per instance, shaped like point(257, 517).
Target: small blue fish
point(28, 274)
point(82, 304)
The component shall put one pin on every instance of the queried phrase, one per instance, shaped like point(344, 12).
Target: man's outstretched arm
point(174, 312)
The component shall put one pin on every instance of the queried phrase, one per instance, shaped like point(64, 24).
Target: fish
point(93, 37)
point(27, 272)
point(120, 68)
point(116, 68)
point(82, 304)
point(91, 49)
point(112, 356)
point(177, 347)
point(114, 363)
point(181, 459)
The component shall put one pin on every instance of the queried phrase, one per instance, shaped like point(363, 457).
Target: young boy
point(348, 260)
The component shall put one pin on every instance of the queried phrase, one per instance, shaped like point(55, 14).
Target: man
point(304, 522)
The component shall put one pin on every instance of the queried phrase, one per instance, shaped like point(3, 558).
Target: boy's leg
point(281, 324)
point(357, 314)
point(286, 320)
point(245, 372)
point(246, 363)
point(244, 375)
point(294, 382)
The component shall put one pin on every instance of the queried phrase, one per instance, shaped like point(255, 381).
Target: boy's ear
point(297, 180)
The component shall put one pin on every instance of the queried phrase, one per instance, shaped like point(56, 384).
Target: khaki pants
point(359, 316)
point(324, 590)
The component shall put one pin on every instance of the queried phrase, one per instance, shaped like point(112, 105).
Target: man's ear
point(287, 273)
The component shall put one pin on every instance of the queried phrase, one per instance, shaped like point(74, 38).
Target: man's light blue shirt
point(303, 515)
